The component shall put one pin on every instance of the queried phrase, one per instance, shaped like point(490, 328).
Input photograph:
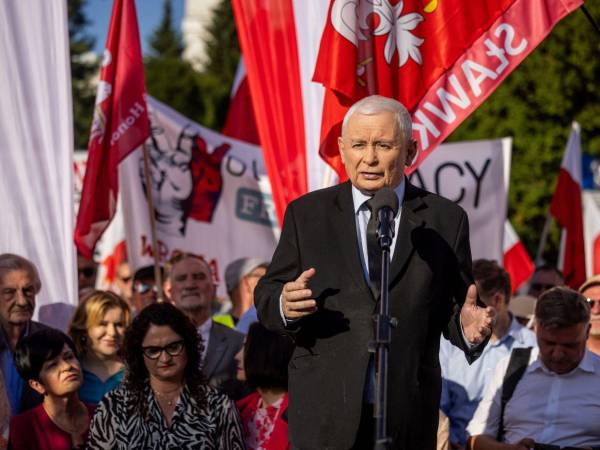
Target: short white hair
point(376, 104)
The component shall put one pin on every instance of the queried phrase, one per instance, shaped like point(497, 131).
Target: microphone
point(385, 206)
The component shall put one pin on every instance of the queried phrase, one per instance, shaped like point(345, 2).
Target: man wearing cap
point(241, 277)
point(591, 290)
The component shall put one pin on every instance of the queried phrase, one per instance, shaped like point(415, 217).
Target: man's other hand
point(296, 298)
point(477, 322)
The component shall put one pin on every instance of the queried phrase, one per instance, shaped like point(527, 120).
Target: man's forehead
point(10, 276)
point(592, 292)
point(193, 264)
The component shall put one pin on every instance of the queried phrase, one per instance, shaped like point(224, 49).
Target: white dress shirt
point(561, 410)
point(204, 333)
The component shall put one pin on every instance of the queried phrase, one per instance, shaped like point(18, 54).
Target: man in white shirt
point(557, 400)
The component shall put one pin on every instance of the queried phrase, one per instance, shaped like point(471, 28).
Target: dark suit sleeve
point(462, 279)
point(285, 266)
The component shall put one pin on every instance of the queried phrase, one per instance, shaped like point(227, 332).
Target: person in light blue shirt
point(463, 385)
point(97, 329)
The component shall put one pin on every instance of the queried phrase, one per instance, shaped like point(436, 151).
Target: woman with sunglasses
point(164, 401)
point(97, 329)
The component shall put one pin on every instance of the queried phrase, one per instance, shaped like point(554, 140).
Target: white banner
point(475, 175)
point(36, 145)
point(591, 231)
point(211, 195)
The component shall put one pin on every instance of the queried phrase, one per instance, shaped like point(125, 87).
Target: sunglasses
point(87, 272)
point(142, 288)
point(592, 302)
point(172, 349)
point(541, 287)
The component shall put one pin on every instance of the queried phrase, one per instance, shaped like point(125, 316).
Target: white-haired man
point(320, 289)
point(19, 284)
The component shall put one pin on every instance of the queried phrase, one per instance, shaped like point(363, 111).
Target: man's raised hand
point(296, 298)
point(477, 322)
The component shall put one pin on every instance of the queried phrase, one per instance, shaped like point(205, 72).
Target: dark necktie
point(374, 252)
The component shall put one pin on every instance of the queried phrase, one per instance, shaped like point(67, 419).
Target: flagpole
point(590, 18)
point(150, 203)
point(543, 238)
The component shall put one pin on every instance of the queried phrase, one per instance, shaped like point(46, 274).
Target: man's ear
point(341, 149)
point(411, 151)
point(37, 387)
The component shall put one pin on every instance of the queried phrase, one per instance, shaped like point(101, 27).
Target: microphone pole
point(383, 332)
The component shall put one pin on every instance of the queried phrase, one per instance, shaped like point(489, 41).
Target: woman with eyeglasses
point(47, 361)
point(97, 329)
point(164, 401)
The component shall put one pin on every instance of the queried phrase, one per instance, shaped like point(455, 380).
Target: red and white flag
point(120, 125)
point(440, 59)
point(591, 227)
point(240, 123)
point(517, 262)
point(567, 210)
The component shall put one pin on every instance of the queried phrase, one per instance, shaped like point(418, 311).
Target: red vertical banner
point(441, 59)
point(567, 209)
point(120, 124)
point(267, 37)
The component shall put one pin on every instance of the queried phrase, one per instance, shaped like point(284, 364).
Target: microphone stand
point(383, 332)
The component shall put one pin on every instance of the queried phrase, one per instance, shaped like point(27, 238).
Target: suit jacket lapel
point(214, 353)
point(409, 221)
point(344, 223)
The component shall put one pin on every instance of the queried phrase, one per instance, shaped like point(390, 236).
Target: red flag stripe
point(268, 40)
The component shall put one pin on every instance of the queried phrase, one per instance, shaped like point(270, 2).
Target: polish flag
point(442, 59)
point(591, 227)
point(240, 123)
point(517, 262)
point(119, 126)
point(567, 210)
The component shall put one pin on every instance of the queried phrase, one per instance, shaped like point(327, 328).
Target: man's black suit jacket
point(429, 277)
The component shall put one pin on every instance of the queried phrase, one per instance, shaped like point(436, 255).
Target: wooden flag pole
point(150, 202)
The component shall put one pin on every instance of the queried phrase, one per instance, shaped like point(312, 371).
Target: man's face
point(144, 293)
point(17, 291)
point(542, 280)
point(373, 151)
point(593, 293)
point(86, 272)
point(562, 349)
point(191, 284)
point(124, 280)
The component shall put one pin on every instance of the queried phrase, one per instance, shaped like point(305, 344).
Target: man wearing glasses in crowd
point(145, 291)
point(19, 284)
point(591, 290)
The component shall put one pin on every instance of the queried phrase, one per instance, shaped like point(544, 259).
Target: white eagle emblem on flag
point(351, 18)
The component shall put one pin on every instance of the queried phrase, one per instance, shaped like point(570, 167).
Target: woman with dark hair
point(263, 364)
point(47, 361)
point(164, 401)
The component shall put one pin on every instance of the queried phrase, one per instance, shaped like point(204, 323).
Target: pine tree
point(556, 84)
point(166, 41)
point(83, 68)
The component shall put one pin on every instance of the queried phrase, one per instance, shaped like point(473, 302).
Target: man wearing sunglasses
point(19, 284)
point(591, 290)
point(544, 277)
point(145, 291)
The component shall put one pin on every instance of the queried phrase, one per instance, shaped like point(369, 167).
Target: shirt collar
point(358, 198)
point(585, 365)
point(205, 327)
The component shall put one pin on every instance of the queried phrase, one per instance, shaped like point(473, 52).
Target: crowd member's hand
point(477, 322)
point(296, 298)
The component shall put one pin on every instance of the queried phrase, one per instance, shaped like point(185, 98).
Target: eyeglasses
point(541, 287)
point(10, 293)
point(87, 272)
point(142, 288)
point(172, 349)
point(592, 302)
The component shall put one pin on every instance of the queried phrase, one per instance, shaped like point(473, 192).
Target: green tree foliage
point(556, 84)
point(203, 97)
point(83, 68)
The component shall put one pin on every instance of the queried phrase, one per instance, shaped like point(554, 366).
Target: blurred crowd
point(195, 371)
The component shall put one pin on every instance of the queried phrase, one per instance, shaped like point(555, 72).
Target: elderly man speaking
point(318, 289)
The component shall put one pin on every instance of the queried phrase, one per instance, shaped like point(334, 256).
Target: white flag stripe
point(572, 158)
point(591, 228)
point(36, 182)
